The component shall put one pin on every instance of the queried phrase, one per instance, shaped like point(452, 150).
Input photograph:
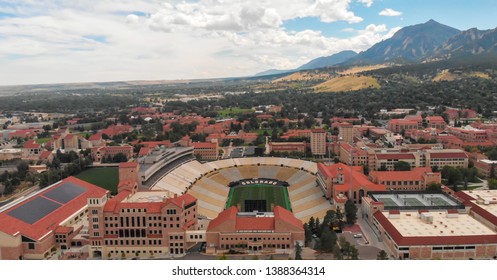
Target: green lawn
point(43, 140)
point(105, 177)
point(233, 111)
point(277, 195)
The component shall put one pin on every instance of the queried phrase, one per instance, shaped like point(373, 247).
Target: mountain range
point(412, 44)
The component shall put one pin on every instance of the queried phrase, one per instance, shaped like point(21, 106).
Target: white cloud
point(366, 3)
point(87, 40)
point(332, 10)
point(390, 13)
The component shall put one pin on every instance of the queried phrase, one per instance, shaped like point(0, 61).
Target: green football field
point(272, 194)
point(104, 177)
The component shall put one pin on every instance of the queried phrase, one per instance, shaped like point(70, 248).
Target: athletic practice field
point(258, 197)
point(104, 177)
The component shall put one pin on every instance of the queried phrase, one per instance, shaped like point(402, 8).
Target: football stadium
point(251, 184)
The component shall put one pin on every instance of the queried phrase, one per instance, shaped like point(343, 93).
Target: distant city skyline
point(55, 41)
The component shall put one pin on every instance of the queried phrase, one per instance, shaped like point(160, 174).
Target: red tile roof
point(95, 137)
point(395, 156)
point(45, 154)
point(254, 223)
point(412, 175)
point(182, 200)
point(245, 223)
point(449, 155)
point(223, 217)
point(359, 180)
point(282, 214)
point(111, 204)
point(143, 151)
point(63, 230)
point(31, 144)
point(37, 230)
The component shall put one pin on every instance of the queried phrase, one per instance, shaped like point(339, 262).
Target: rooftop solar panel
point(65, 192)
point(34, 210)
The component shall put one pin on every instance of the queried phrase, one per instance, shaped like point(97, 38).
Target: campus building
point(205, 150)
point(145, 224)
point(288, 147)
point(416, 179)
point(340, 182)
point(99, 153)
point(318, 142)
point(346, 132)
point(485, 166)
point(44, 223)
point(276, 231)
point(431, 226)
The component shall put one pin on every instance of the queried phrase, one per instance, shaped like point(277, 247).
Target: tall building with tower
point(145, 224)
point(318, 142)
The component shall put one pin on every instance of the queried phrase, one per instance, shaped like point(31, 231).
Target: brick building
point(416, 179)
point(40, 225)
point(340, 182)
point(318, 142)
point(100, 153)
point(288, 147)
point(437, 226)
point(276, 231)
point(206, 150)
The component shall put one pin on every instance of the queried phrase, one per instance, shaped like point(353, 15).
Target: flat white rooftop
point(486, 199)
point(150, 196)
point(410, 224)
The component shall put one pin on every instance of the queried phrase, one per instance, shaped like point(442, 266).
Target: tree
point(308, 233)
point(9, 188)
point(223, 257)
point(492, 171)
point(22, 169)
point(337, 252)
point(328, 240)
point(298, 251)
point(382, 255)
point(492, 184)
point(434, 187)
point(402, 166)
point(312, 225)
point(348, 250)
point(453, 175)
point(119, 157)
point(492, 154)
point(350, 212)
point(317, 227)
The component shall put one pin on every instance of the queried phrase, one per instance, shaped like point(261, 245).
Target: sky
point(67, 41)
